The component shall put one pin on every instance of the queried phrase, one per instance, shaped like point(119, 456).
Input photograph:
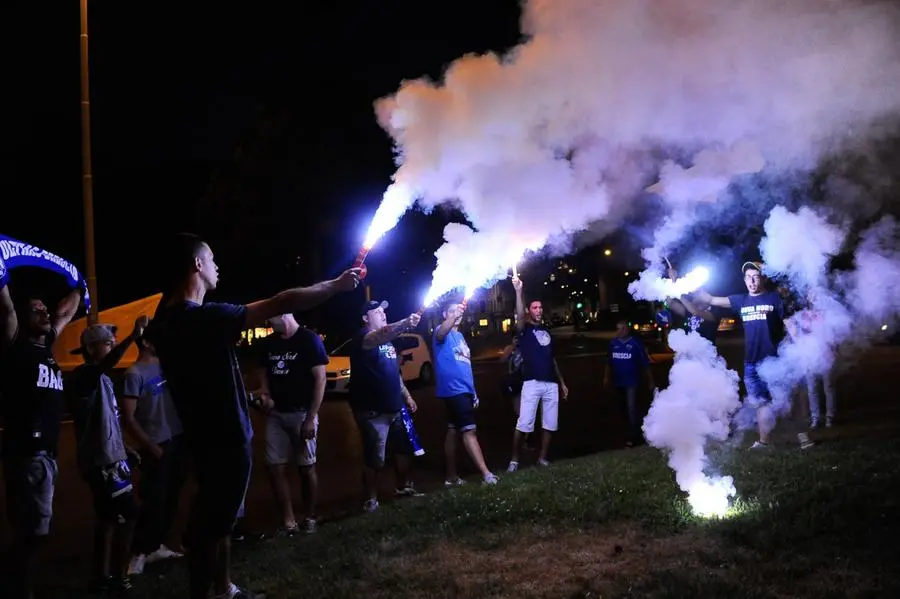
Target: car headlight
point(345, 372)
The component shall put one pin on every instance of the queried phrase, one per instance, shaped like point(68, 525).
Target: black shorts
point(222, 479)
point(113, 492)
point(460, 411)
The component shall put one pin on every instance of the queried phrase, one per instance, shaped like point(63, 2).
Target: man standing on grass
point(196, 342)
point(291, 376)
point(627, 357)
point(762, 315)
point(456, 388)
point(377, 397)
point(542, 381)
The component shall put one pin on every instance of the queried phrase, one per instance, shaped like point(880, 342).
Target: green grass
point(822, 523)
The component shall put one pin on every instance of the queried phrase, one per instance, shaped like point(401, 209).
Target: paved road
point(589, 423)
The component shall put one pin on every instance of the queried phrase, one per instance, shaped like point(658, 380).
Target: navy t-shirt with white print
point(762, 317)
point(536, 346)
point(289, 363)
point(374, 377)
point(627, 357)
point(196, 345)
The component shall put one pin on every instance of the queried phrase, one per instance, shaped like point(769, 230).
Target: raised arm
point(520, 304)
point(8, 319)
point(693, 309)
point(65, 310)
point(448, 324)
point(390, 332)
point(712, 300)
point(300, 298)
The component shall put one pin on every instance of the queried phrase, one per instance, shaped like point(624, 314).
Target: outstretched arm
point(300, 298)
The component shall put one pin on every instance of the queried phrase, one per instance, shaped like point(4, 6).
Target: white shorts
point(541, 393)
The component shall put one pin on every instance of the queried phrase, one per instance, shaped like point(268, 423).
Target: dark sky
point(252, 126)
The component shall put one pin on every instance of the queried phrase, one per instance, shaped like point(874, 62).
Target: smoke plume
point(695, 408)
point(571, 125)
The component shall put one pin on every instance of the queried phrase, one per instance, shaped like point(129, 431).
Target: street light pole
point(87, 180)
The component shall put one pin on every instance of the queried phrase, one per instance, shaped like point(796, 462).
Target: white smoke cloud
point(873, 288)
point(569, 126)
point(694, 409)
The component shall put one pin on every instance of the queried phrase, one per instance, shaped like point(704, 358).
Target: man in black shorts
point(456, 387)
point(31, 400)
point(196, 342)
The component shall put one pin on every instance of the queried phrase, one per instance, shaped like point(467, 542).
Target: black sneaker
point(122, 586)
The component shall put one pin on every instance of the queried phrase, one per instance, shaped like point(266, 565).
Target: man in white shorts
point(542, 381)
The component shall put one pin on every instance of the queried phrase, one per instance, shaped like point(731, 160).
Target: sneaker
point(829, 422)
point(310, 526)
point(759, 445)
point(805, 441)
point(136, 565)
point(491, 479)
point(408, 491)
point(288, 530)
point(235, 592)
point(543, 462)
point(454, 483)
point(122, 586)
point(513, 466)
point(162, 553)
point(370, 506)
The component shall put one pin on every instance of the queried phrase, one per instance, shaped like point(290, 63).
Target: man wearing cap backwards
point(102, 455)
point(762, 315)
point(377, 396)
point(31, 399)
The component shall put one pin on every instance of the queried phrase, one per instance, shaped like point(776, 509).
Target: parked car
point(415, 363)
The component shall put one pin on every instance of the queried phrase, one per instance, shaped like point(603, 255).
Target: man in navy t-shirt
point(195, 341)
point(377, 396)
point(542, 381)
point(456, 387)
point(626, 360)
point(291, 374)
point(762, 316)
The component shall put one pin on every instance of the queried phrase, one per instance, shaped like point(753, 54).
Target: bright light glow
point(689, 283)
point(627, 273)
point(884, 327)
point(710, 497)
point(396, 201)
point(607, 252)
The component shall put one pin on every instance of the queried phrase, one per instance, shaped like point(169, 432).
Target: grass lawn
point(823, 523)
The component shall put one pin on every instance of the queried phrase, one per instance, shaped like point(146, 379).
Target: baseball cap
point(96, 333)
point(754, 265)
point(372, 305)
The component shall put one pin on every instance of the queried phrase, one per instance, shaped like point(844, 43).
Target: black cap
point(372, 305)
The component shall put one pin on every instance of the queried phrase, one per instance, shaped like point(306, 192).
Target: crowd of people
point(186, 407)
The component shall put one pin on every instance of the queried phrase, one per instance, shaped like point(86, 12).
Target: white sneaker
point(310, 526)
point(543, 462)
point(454, 483)
point(805, 441)
point(491, 479)
point(162, 553)
point(759, 445)
point(371, 505)
point(136, 565)
point(513, 466)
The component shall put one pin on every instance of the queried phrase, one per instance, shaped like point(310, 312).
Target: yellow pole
point(87, 180)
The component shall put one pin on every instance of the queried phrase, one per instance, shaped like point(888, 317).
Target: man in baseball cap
point(377, 397)
point(762, 315)
point(96, 333)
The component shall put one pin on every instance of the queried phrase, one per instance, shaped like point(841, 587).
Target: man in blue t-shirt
point(377, 397)
point(542, 382)
point(195, 341)
point(762, 316)
point(627, 357)
point(456, 387)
